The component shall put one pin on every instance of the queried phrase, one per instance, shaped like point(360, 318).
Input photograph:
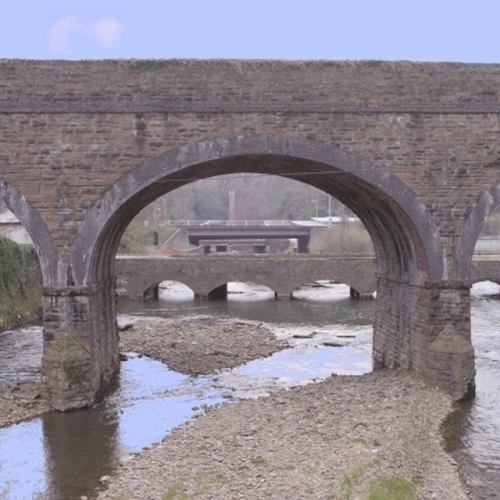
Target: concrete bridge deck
point(195, 234)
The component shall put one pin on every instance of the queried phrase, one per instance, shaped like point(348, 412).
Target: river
point(65, 456)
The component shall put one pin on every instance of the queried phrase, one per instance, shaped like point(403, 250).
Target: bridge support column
point(425, 328)
point(218, 293)
point(354, 294)
point(80, 351)
point(282, 296)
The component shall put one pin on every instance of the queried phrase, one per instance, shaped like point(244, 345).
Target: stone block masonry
point(412, 148)
point(80, 354)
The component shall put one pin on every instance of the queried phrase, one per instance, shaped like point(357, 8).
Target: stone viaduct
point(412, 148)
point(282, 274)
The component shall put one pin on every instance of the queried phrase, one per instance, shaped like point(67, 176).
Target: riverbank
point(21, 402)
point(335, 439)
point(193, 347)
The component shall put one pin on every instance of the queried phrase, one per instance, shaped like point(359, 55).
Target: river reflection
point(312, 306)
point(62, 456)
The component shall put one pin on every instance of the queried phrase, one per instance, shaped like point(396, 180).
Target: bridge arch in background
point(485, 205)
point(283, 275)
point(37, 229)
point(404, 235)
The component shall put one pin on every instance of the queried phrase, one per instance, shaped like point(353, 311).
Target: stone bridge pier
point(80, 335)
point(413, 149)
point(425, 327)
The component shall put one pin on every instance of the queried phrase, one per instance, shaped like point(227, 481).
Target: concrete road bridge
point(302, 234)
point(413, 149)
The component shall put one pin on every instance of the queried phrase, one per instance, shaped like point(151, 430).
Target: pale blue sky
point(423, 30)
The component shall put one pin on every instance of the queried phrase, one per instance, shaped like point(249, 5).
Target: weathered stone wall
point(485, 270)
point(412, 148)
point(79, 126)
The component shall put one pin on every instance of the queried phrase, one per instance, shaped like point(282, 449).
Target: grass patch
point(358, 440)
point(350, 481)
point(175, 492)
point(195, 487)
point(259, 461)
point(394, 488)
point(206, 479)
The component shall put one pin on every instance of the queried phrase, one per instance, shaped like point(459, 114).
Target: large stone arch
point(37, 229)
point(420, 307)
point(472, 228)
point(405, 236)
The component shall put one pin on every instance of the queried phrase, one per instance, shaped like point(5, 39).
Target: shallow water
point(475, 441)
point(64, 455)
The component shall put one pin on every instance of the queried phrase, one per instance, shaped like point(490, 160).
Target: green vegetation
point(199, 485)
point(380, 488)
point(492, 225)
point(259, 461)
point(358, 440)
point(20, 284)
point(394, 488)
point(72, 354)
point(350, 480)
point(175, 492)
point(416, 447)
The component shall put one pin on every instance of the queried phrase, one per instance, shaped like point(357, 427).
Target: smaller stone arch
point(485, 205)
point(36, 227)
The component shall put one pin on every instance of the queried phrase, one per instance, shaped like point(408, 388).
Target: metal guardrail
point(226, 223)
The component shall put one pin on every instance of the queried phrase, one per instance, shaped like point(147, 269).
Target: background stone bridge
point(282, 274)
point(413, 149)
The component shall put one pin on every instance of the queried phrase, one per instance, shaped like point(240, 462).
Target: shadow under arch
point(403, 233)
point(36, 227)
point(472, 229)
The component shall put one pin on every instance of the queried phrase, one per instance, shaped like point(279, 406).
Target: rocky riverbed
point(335, 439)
point(340, 438)
point(21, 402)
point(200, 346)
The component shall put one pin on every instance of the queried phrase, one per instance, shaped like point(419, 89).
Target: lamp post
point(315, 201)
point(329, 211)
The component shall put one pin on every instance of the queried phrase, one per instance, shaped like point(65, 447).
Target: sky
point(423, 30)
